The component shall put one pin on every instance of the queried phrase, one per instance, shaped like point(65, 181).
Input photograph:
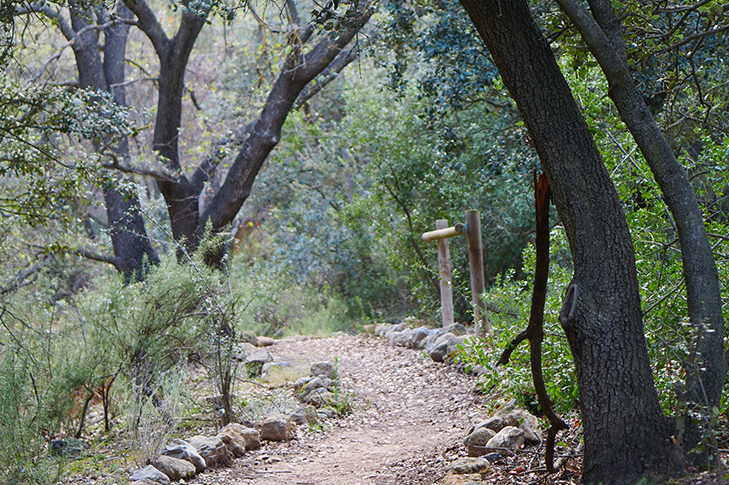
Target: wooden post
point(446, 289)
point(475, 259)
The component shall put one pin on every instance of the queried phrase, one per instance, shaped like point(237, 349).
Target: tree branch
point(155, 173)
point(148, 23)
point(74, 38)
point(102, 258)
point(207, 168)
point(692, 38)
point(21, 278)
point(330, 73)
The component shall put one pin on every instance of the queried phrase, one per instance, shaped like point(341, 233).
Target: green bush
point(23, 407)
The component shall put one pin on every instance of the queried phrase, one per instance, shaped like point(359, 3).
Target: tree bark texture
point(626, 434)
point(601, 29)
point(132, 248)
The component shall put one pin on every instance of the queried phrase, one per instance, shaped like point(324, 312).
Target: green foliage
point(277, 302)
point(150, 326)
point(454, 68)
point(424, 169)
point(22, 457)
point(37, 184)
point(347, 199)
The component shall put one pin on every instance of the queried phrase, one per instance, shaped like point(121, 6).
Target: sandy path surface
point(409, 417)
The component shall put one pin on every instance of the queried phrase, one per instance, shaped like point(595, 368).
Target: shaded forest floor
point(410, 416)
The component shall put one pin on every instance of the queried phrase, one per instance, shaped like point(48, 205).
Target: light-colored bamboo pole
point(444, 233)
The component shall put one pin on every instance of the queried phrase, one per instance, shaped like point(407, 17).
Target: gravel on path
point(410, 416)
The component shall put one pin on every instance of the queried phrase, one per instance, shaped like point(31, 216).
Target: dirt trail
point(410, 415)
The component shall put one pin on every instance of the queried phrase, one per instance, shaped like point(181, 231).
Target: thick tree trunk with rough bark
point(132, 248)
point(626, 434)
point(601, 29)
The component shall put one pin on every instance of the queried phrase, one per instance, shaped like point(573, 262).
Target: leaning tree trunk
point(626, 434)
point(601, 29)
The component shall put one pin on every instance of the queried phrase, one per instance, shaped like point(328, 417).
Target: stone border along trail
point(411, 415)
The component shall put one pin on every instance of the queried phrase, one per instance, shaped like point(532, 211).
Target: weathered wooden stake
point(446, 288)
point(475, 259)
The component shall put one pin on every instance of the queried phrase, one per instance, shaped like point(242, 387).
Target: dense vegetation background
point(418, 127)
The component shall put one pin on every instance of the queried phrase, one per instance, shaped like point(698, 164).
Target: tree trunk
point(127, 231)
point(602, 31)
point(626, 434)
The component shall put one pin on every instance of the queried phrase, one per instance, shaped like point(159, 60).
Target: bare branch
point(692, 38)
point(155, 173)
point(330, 73)
point(293, 13)
point(133, 81)
point(54, 14)
point(73, 40)
point(102, 258)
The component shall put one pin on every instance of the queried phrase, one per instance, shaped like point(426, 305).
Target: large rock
point(383, 329)
point(322, 370)
point(260, 356)
point(399, 338)
point(272, 366)
point(509, 438)
point(525, 421)
point(495, 423)
point(174, 468)
point(277, 428)
point(239, 439)
point(152, 474)
point(70, 447)
point(305, 415)
point(185, 451)
point(255, 361)
point(318, 398)
point(301, 382)
point(212, 449)
point(416, 339)
point(465, 466)
point(309, 386)
point(477, 441)
point(249, 337)
point(456, 329)
point(445, 350)
point(265, 342)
